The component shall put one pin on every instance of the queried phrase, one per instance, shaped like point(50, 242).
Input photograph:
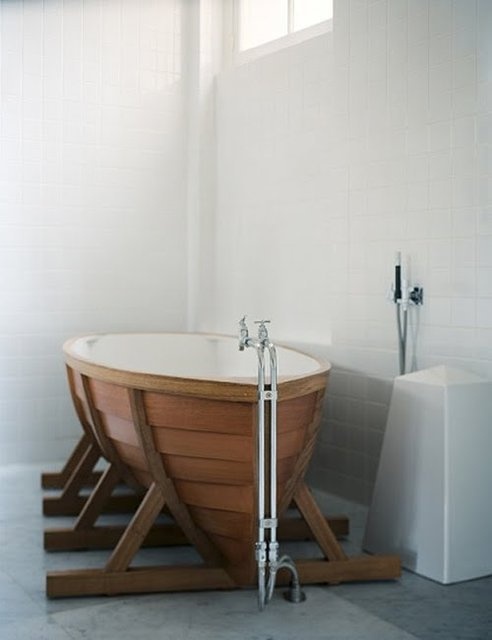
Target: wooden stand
point(189, 446)
point(78, 474)
point(118, 577)
point(168, 534)
point(59, 479)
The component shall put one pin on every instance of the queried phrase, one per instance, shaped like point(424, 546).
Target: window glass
point(262, 21)
point(309, 12)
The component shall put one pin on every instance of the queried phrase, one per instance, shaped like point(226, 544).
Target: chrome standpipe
point(267, 546)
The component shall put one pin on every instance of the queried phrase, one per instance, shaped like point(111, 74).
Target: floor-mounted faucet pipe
point(267, 544)
point(273, 437)
point(294, 594)
point(261, 548)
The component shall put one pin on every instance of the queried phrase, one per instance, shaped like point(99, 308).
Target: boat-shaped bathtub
point(175, 416)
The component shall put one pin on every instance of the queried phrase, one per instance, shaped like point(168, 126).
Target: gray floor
point(412, 607)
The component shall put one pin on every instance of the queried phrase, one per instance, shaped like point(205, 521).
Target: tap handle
point(262, 330)
point(243, 333)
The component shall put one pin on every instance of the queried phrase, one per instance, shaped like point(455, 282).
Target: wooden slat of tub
point(78, 390)
point(77, 384)
point(143, 477)
point(216, 496)
point(290, 444)
point(281, 488)
point(229, 524)
point(220, 446)
point(296, 413)
point(196, 444)
point(120, 430)
point(220, 471)
point(199, 414)
point(111, 399)
point(238, 552)
point(211, 469)
point(206, 470)
point(131, 456)
point(285, 467)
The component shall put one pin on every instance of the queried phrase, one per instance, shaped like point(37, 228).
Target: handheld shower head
point(397, 277)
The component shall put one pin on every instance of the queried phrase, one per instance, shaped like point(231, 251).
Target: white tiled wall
point(117, 213)
point(336, 153)
point(92, 195)
point(204, 48)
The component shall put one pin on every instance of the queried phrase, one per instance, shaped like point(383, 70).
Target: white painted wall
point(332, 155)
point(92, 195)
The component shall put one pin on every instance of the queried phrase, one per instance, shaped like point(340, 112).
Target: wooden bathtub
point(175, 416)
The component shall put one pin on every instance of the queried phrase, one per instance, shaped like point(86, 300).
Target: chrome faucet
point(244, 339)
point(267, 546)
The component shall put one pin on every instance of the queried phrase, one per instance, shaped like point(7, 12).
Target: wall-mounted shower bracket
point(408, 296)
point(416, 295)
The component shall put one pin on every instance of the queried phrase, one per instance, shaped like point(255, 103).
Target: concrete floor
point(411, 607)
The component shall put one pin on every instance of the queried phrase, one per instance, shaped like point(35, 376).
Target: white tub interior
point(195, 356)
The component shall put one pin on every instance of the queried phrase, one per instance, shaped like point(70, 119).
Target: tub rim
point(235, 389)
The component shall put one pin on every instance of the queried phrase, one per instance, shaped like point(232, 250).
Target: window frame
point(291, 38)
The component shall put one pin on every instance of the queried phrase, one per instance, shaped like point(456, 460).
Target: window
point(261, 21)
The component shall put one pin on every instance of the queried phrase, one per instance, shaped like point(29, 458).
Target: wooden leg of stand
point(86, 582)
point(166, 535)
point(58, 479)
point(84, 525)
point(349, 570)
point(77, 479)
point(322, 533)
point(69, 498)
point(297, 528)
point(107, 537)
point(95, 503)
point(131, 541)
point(117, 577)
point(119, 503)
point(337, 567)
